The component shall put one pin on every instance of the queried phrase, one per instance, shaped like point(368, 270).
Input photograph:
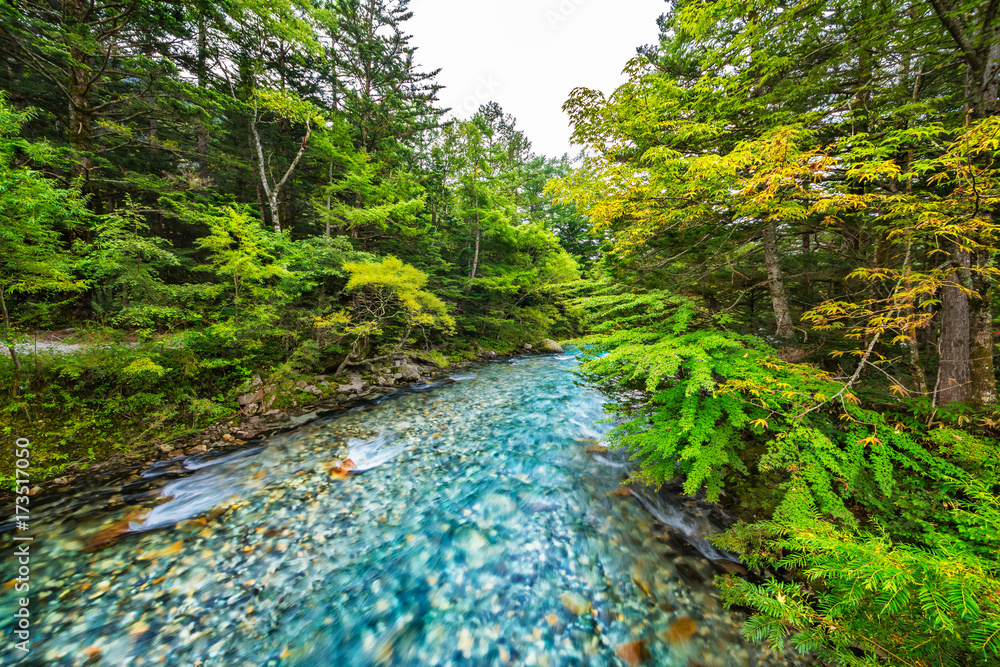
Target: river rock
point(108, 535)
point(528, 347)
point(634, 653)
point(731, 567)
point(549, 346)
point(356, 386)
point(344, 467)
point(682, 630)
point(576, 603)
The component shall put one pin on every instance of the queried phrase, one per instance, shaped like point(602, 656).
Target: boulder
point(255, 397)
point(549, 346)
point(528, 347)
point(409, 372)
point(355, 387)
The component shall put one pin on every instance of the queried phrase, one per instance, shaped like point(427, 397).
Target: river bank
point(269, 406)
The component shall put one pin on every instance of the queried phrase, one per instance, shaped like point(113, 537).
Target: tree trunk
point(982, 376)
point(81, 116)
point(6, 330)
point(273, 193)
point(953, 381)
point(982, 83)
point(776, 282)
point(475, 257)
point(202, 83)
point(329, 203)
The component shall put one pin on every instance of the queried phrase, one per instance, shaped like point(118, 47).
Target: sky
point(529, 54)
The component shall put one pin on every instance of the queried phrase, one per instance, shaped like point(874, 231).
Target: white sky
point(529, 54)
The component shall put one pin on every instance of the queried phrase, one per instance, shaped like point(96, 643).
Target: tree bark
point(953, 380)
point(776, 282)
point(475, 257)
point(329, 201)
point(981, 371)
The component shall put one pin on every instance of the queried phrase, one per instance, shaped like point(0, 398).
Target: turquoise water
point(478, 530)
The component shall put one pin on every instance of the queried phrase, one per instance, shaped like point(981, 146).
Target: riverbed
point(477, 522)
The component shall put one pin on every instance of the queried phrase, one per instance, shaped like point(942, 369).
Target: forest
point(776, 253)
point(203, 191)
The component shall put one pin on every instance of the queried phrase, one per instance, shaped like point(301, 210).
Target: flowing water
point(481, 526)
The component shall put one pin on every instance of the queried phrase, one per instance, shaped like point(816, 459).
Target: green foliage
point(706, 395)
point(926, 604)
point(389, 304)
point(34, 213)
point(125, 264)
point(798, 207)
point(890, 528)
point(248, 262)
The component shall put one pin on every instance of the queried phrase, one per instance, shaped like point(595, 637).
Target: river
point(480, 526)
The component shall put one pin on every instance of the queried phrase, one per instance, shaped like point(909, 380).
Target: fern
point(712, 408)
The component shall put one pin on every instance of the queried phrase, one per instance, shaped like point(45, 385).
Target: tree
point(290, 109)
point(248, 260)
point(101, 70)
point(33, 214)
point(377, 83)
point(389, 303)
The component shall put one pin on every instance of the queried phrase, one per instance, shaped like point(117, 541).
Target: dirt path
point(53, 342)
